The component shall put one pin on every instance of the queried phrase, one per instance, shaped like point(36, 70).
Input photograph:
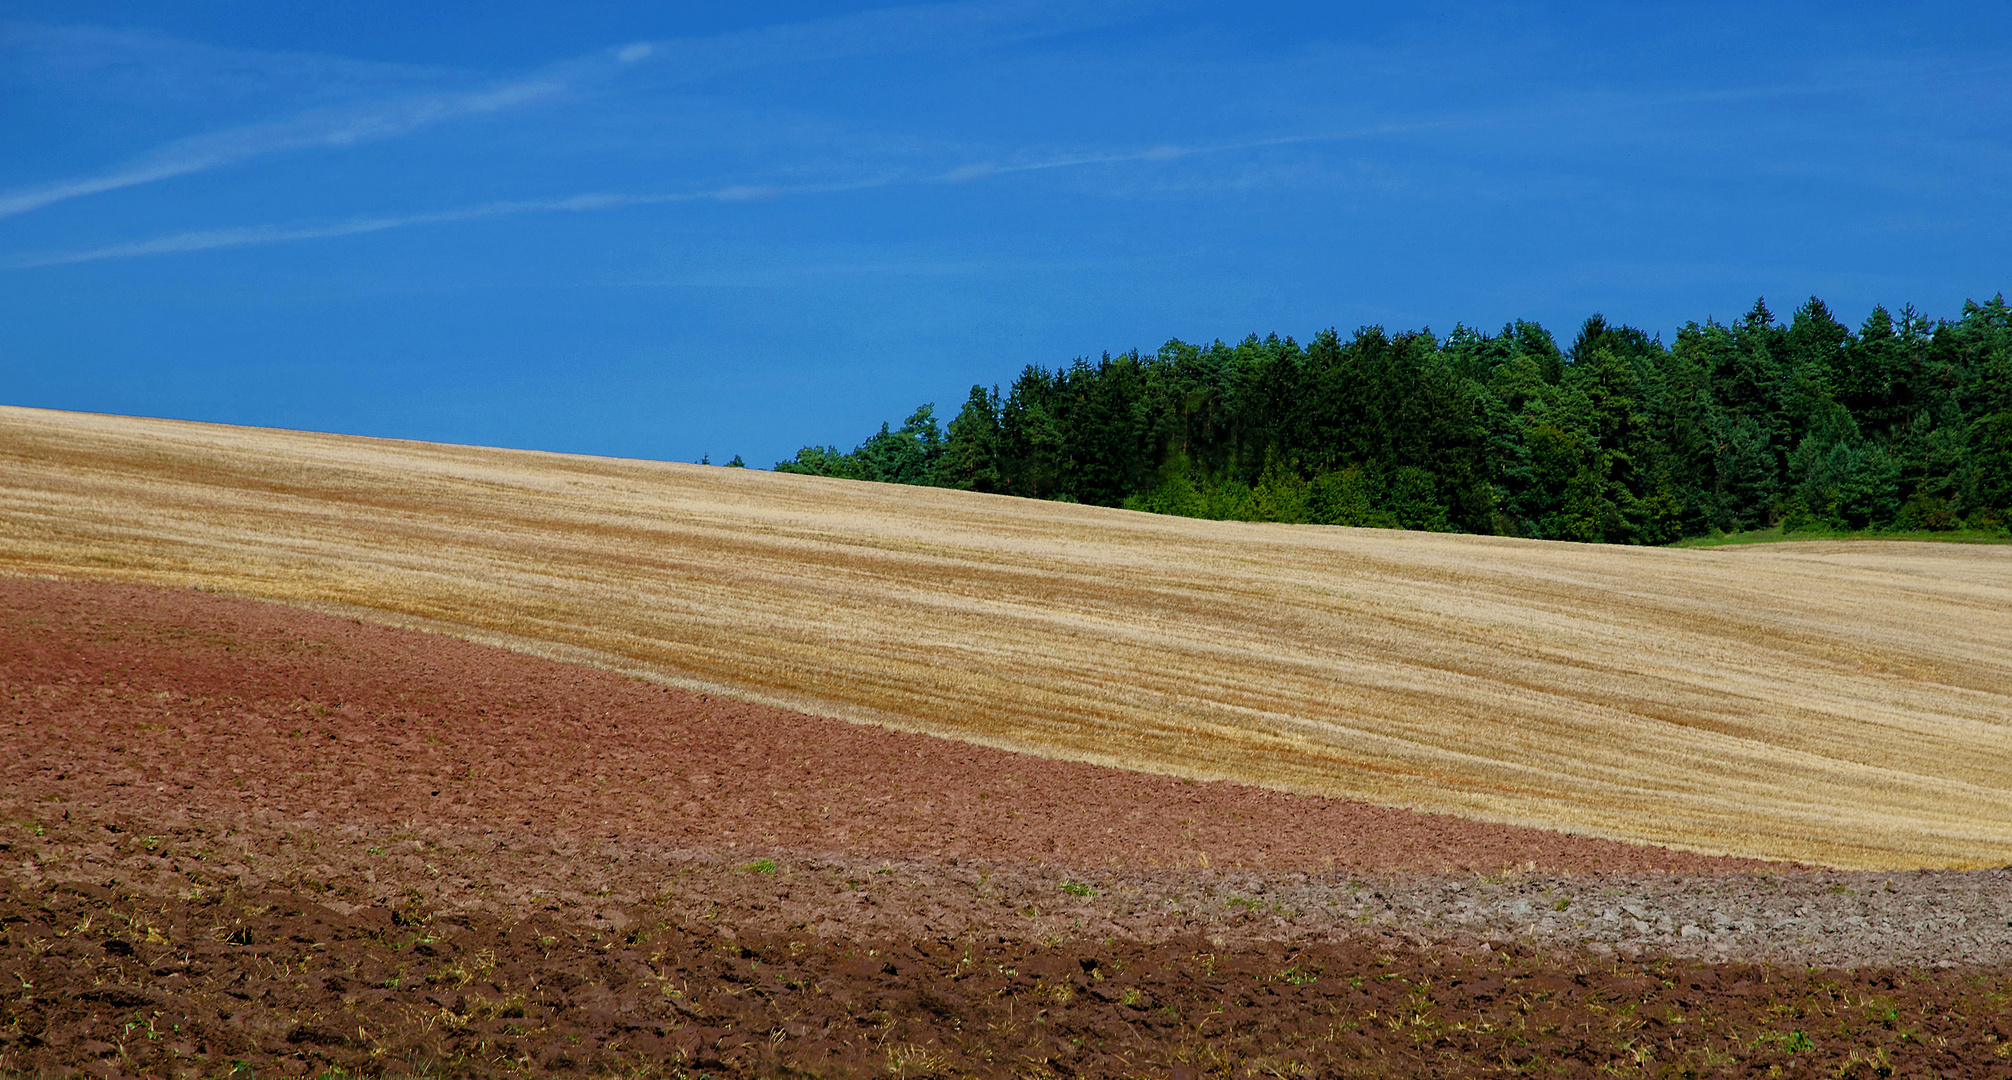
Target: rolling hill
point(1845, 704)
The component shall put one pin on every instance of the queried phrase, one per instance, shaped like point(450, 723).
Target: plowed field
point(1847, 705)
point(238, 838)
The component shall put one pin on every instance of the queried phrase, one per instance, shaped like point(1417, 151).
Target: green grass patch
point(1777, 535)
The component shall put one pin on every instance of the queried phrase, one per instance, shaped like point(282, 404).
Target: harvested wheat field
point(1841, 705)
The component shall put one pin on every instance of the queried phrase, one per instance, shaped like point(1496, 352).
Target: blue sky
point(649, 230)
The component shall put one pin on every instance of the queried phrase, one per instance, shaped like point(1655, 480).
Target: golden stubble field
point(1847, 704)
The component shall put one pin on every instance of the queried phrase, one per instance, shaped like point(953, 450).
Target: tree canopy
point(1618, 438)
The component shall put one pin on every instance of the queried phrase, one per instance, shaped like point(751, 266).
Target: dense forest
point(1903, 424)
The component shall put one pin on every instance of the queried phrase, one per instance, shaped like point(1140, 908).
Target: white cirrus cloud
point(942, 26)
point(253, 235)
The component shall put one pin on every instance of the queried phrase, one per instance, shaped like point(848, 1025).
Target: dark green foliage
point(909, 456)
point(1902, 424)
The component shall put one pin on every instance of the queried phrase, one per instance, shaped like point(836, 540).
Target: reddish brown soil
point(185, 703)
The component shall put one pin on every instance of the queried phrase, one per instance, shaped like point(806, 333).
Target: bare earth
point(232, 831)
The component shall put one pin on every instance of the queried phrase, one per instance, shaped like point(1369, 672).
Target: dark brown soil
point(239, 839)
point(113, 983)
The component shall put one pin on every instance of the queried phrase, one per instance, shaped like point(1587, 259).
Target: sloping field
point(1841, 704)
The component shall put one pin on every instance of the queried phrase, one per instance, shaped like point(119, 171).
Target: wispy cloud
point(162, 75)
point(677, 60)
point(253, 235)
point(317, 128)
point(250, 235)
point(1174, 152)
point(211, 239)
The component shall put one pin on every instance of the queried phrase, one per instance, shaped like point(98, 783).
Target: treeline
point(1903, 424)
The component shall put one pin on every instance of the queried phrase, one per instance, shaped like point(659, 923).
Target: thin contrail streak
point(320, 128)
point(245, 236)
point(1174, 152)
point(251, 235)
point(686, 60)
